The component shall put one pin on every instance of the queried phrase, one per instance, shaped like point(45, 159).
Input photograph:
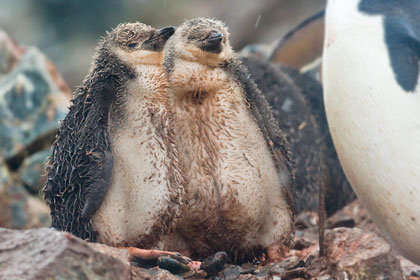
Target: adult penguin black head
point(81, 163)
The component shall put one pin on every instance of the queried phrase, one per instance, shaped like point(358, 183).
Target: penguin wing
point(97, 159)
point(302, 45)
point(80, 166)
point(263, 115)
point(402, 37)
point(404, 51)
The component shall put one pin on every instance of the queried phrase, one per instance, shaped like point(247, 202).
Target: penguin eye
point(132, 45)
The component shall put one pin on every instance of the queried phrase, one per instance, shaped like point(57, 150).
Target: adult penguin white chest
point(372, 99)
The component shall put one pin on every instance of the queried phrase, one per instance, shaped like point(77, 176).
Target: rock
point(232, 272)
point(354, 254)
point(162, 274)
point(306, 219)
point(19, 210)
point(32, 171)
point(353, 215)
point(140, 273)
point(195, 274)
point(4, 173)
point(33, 98)
point(49, 254)
point(9, 54)
point(409, 268)
point(317, 267)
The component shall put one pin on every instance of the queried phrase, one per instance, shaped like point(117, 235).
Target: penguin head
point(138, 43)
point(202, 40)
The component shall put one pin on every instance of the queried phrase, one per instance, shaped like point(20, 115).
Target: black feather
point(80, 166)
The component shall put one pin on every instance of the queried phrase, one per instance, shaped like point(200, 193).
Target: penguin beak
point(166, 32)
point(215, 37)
point(213, 43)
point(157, 40)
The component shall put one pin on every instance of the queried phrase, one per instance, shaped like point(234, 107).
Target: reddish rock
point(49, 254)
point(353, 215)
point(409, 269)
point(355, 254)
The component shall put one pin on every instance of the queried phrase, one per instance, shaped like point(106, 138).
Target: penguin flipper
point(402, 38)
point(99, 184)
point(302, 45)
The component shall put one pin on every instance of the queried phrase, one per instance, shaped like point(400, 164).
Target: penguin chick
point(297, 104)
point(113, 174)
point(235, 159)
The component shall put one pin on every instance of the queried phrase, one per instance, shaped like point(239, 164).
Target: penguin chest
point(144, 193)
point(233, 189)
point(374, 124)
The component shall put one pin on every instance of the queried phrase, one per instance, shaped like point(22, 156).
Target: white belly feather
point(375, 125)
point(227, 163)
point(140, 190)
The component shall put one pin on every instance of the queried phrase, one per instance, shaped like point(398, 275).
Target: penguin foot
point(173, 265)
point(143, 255)
point(171, 261)
point(175, 262)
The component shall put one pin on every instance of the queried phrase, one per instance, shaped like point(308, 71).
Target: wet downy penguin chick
point(371, 77)
point(235, 159)
point(297, 104)
point(113, 175)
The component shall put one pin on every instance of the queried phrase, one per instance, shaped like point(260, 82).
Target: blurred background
point(67, 31)
point(46, 47)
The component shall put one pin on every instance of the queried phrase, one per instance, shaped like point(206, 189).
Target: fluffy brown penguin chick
point(114, 174)
point(234, 157)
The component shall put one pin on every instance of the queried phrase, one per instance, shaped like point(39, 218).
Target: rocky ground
point(33, 98)
point(350, 253)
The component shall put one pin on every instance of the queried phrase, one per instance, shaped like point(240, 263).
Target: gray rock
point(9, 53)
point(232, 272)
point(33, 97)
point(355, 254)
point(162, 274)
point(19, 209)
point(4, 174)
point(32, 171)
point(49, 254)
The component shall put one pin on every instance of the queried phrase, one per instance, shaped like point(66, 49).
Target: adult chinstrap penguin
point(372, 97)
